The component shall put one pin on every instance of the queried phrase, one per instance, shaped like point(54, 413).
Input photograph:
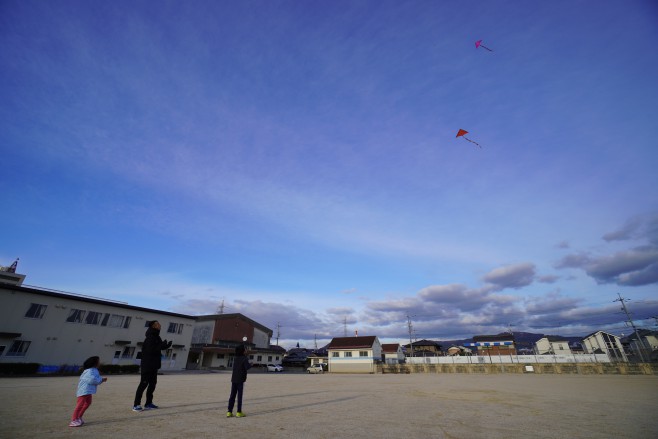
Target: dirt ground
point(296, 405)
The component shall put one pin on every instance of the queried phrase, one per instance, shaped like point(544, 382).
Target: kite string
point(472, 141)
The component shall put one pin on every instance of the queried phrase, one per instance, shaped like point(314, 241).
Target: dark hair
point(91, 362)
point(239, 350)
point(152, 322)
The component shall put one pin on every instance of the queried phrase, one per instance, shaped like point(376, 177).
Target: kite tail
point(486, 48)
point(473, 142)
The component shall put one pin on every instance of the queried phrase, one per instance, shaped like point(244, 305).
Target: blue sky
point(298, 161)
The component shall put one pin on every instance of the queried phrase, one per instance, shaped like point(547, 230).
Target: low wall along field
point(537, 368)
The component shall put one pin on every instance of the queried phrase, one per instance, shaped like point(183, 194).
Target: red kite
point(461, 133)
point(478, 43)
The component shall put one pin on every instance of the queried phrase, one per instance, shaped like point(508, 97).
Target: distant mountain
point(523, 340)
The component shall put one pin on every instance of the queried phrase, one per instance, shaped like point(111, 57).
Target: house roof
point(555, 338)
point(352, 342)
point(231, 316)
point(424, 342)
point(499, 337)
point(390, 347)
point(596, 332)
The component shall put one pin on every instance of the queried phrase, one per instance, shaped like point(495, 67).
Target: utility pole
point(316, 341)
point(628, 315)
point(278, 332)
point(411, 343)
point(344, 326)
point(220, 309)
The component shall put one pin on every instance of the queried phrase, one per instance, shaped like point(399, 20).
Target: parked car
point(316, 368)
point(274, 368)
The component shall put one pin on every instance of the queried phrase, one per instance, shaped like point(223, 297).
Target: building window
point(36, 311)
point(221, 356)
point(348, 354)
point(18, 348)
point(126, 323)
point(105, 319)
point(116, 321)
point(128, 352)
point(363, 353)
point(277, 358)
point(260, 358)
point(175, 328)
point(2, 349)
point(335, 354)
point(117, 355)
point(251, 357)
point(93, 318)
point(76, 316)
point(269, 359)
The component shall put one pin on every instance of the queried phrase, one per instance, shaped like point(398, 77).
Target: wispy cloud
point(636, 266)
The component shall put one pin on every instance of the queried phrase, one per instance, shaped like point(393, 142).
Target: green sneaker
point(240, 415)
point(229, 414)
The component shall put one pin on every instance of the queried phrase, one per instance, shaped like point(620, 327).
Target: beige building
point(392, 353)
point(601, 342)
point(54, 328)
point(552, 345)
point(354, 354)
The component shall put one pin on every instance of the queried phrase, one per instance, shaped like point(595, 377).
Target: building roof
point(390, 347)
point(89, 299)
point(232, 316)
point(555, 338)
point(423, 342)
point(499, 337)
point(596, 332)
point(352, 342)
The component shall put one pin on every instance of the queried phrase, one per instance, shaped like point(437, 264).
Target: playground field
point(295, 405)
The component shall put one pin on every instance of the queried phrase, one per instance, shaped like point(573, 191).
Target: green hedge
point(27, 369)
point(19, 368)
point(115, 369)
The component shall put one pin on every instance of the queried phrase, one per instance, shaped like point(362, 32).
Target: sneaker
point(81, 421)
point(150, 406)
point(229, 414)
point(137, 408)
point(75, 423)
point(240, 415)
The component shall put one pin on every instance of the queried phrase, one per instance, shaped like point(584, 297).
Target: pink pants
point(83, 404)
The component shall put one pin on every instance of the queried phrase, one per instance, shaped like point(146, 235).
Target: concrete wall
point(538, 368)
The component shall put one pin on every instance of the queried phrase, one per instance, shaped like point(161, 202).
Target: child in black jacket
point(240, 367)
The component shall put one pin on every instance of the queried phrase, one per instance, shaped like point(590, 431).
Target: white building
point(354, 354)
point(54, 328)
point(392, 353)
point(602, 342)
point(552, 344)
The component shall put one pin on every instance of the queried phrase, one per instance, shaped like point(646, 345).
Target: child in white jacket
point(89, 380)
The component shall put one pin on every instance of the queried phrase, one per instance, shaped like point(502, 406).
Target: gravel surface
point(295, 405)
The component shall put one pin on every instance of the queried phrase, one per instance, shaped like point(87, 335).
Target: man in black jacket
point(151, 348)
